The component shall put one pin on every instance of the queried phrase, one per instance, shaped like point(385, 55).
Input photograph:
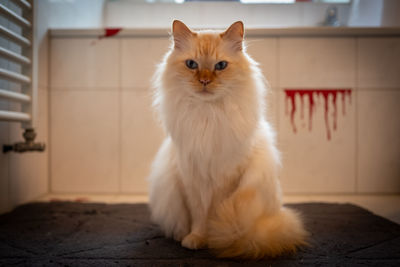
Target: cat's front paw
point(180, 233)
point(194, 241)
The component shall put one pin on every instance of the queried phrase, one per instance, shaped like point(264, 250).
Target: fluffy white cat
point(214, 182)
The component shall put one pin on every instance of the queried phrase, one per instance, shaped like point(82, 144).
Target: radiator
point(18, 70)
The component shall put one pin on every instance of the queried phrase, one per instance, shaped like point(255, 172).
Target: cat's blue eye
point(191, 64)
point(221, 65)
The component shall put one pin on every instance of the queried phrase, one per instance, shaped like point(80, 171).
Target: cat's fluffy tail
point(242, 228)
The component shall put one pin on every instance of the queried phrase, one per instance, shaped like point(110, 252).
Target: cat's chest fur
point(211, 139)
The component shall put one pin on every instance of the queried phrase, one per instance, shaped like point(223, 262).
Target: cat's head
point(207, 64)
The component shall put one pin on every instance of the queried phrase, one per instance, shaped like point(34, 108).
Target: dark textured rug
point(78, 234)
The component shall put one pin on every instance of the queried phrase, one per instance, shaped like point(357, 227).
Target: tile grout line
point(119, 116)
point(49, 116)
point(355, 101)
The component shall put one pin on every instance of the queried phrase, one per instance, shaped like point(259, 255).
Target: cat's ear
point(181, 34)
point(234, 34)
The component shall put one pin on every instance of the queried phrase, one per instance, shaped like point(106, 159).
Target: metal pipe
point(14, 56)
point(14, 16)
point(29, 144)
point(14, 76)
point(18, 97)
point(14, 36)
point(14, 116)
point(23, 3)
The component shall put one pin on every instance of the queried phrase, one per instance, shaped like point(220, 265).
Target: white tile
point(379, 62)
point(264, 51)
point(141, 137)
point(43, 116)
point(84, 141)
point(139, 57)
point(316, 62)
point(84, 62)
point(378, 141)
point(312, 163)
point(29, 176)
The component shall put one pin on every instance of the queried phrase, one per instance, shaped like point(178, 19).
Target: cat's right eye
point(191, 64)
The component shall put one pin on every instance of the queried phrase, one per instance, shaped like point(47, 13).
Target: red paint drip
point(291, 95)
point(108, 32)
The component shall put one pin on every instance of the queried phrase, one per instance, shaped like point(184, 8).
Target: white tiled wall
point(84, 63)
point(104, 133)
point(139, 56)
point(379, 63)
point(378, 141)
point(141, 137)
point(316, 62)
point(378, 78)
point(84, 141)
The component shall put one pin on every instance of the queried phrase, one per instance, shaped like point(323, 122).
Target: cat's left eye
point(191, 64)
point(221, 65)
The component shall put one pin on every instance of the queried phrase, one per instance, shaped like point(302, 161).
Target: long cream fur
point(214, 182)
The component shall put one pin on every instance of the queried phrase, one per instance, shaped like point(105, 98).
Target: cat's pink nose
point(204, 81)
